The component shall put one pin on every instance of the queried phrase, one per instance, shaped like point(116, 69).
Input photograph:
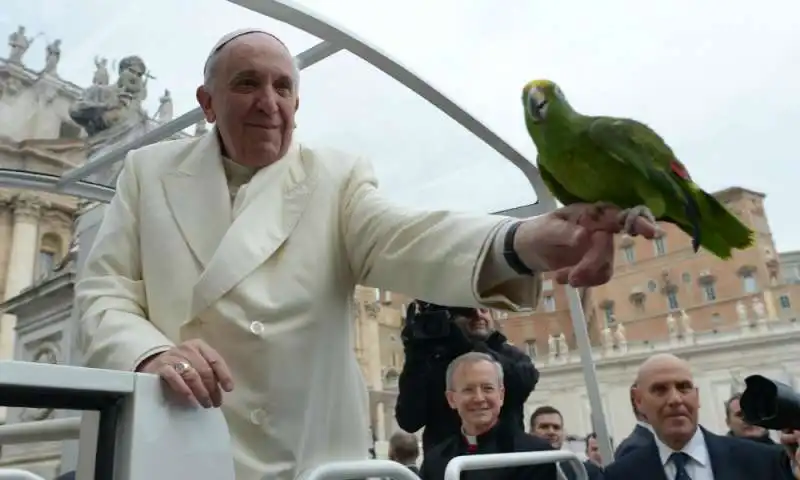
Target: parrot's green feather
point(623, 162)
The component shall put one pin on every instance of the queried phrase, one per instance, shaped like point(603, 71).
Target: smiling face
point(252, 98)
point(479, 324)
point(477, 394)
point(667, 396)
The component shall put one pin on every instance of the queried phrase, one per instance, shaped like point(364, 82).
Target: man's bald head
point(666, 395)
point(220, 49)
point(660, 362)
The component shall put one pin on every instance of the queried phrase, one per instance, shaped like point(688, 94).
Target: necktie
point(680, 459)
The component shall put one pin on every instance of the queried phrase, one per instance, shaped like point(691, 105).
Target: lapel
point(650, 466)
point(721, 458)
point(275, 200)
point(197, 194)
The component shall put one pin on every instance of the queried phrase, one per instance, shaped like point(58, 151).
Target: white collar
point(695, 448)
point(471, 439)
point(645, 425)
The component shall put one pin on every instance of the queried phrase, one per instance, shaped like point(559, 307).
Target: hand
point(201, 381)
point(790, 440)
point(576, 242)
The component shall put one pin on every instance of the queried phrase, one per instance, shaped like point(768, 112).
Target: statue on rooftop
point(53, 56)
point(101, 76)
point(165, 109)
point(19, 44)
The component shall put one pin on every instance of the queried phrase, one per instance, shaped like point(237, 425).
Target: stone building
point(654, 279)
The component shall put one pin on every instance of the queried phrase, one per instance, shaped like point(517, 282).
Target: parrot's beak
point(537, 104)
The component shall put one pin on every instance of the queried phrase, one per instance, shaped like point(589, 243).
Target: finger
point(595, 267)
point(176, 384)
point(195, 382)
point(601, 218)
point(218, 365)
point(562, 276)
point(646, 228)
point(207, 377)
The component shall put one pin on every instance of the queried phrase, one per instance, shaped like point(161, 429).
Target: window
point(709, 292)
point(46, 263)
point(784, 301)
point(749, 284)
point(530, 348)
point(549, 303)
point(630, 256)
point(651, 285)
point(659, 247)
point(608, 310)
point(716, 318)
point(547, 285)
point(686, 277)
point(672, 300)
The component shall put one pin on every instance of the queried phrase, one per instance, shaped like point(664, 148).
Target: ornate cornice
point(27, 207)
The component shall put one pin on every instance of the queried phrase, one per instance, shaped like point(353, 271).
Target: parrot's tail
point(722, 231)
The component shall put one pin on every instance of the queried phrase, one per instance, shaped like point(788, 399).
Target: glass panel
point(422, 157)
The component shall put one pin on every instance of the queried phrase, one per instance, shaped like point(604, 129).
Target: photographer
point(434, 336)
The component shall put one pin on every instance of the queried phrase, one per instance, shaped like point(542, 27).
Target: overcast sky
point(719, 79)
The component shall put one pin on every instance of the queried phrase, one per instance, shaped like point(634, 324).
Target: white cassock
point(268, 282)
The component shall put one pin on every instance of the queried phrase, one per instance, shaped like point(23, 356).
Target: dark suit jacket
point(501, 439)
point(593, 471)
point(731, 459)
point(639, 437)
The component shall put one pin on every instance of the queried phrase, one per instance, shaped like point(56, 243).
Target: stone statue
point(622, 341)
point(105, 106)
point(563, 348)
point(741, 312)
point(101, 76)
point(671, 325)
point(686, 323)
point(200, 128)
point(53, 51)
point(759, 309)
point(19, 44)
point(164, 113)
point(552, 347)
point(608, 338)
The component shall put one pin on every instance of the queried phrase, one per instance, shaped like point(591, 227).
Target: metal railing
point(40, 431)
point(518, 459)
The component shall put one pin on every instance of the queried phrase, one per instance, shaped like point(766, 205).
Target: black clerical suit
point(502, 438)
point(730, 458)
point(639, 437)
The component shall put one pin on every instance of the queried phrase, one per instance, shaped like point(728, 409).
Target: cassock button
point(257, 328)
point(258, 416)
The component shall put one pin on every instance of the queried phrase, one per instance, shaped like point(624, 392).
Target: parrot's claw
point(628, 218)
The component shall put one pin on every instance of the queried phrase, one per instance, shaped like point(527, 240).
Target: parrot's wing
point(558, 190)
point(634, 143)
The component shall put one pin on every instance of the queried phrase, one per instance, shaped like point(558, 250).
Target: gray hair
point(210, 68)
point(470, 358)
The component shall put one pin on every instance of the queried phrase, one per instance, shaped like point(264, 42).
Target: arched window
point(49, 254)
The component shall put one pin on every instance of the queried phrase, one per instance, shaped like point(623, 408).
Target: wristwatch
point(510, 254)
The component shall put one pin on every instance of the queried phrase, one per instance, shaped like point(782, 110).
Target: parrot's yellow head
point(541, 98)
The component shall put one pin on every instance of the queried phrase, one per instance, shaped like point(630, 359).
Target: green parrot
point(625, 163)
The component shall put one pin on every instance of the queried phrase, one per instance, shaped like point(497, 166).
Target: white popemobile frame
point(335, 39)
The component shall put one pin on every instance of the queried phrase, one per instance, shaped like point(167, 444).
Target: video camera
point(770, 404)
point(428, 321)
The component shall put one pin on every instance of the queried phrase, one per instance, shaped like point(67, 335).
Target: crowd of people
point(226, 265)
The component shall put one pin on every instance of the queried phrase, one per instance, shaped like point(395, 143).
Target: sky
point(718, 79)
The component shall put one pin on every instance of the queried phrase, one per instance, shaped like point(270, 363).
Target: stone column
point(380, 422)
point(21, 262)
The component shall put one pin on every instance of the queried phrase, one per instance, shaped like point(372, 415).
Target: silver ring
point(182, 367)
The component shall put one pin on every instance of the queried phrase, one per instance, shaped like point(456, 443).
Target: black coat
point(421, 400)
point(639, 437)
point(501, 439)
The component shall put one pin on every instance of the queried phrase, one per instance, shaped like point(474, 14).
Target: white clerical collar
point(695, 448)
point(471, 439)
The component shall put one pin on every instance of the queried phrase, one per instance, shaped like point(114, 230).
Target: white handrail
point(15, 474)
point(40, 431)
point(517, 459)
point(360, 469)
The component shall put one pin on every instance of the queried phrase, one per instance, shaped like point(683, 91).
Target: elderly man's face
point(476, 394)
point(737, 424)
point(667, 396)
point(252, 99)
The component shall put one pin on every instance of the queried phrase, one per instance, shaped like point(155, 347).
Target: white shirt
point(699, 465)
point(645, 425)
